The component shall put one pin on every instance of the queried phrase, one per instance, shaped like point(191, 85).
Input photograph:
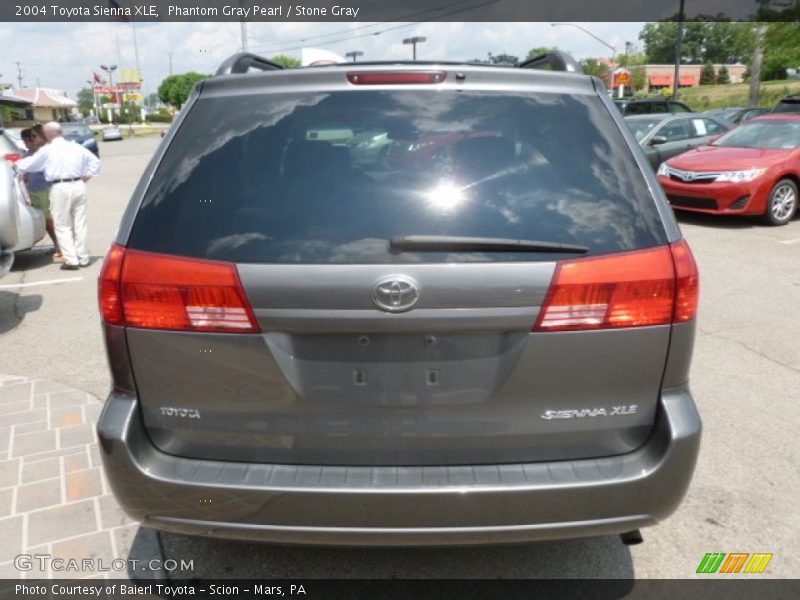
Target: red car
point(751, 170)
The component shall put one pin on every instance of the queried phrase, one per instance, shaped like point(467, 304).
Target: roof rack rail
point(555, 60)
point(242, 62)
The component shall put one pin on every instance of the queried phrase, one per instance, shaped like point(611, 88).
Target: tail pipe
point(631, 538)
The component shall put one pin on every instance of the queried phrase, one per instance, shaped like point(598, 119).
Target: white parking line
point(35, 283)
point(794, 241)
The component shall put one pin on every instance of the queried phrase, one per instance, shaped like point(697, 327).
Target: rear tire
point(782, 203)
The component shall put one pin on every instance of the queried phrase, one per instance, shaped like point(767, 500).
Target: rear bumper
point(401, 505)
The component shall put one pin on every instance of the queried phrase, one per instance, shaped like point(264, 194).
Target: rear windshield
point(788, 106)
point(330, 177)
point(641, 127)
point(764, 134)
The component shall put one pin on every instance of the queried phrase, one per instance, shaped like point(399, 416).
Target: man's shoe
point(68, 267)
point(86, 264)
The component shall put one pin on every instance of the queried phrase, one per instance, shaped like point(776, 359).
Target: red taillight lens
point(108, 288)
point(12, 157)
point(154, 291)
point(688, 281)
point(630, 289)
point(395, 77)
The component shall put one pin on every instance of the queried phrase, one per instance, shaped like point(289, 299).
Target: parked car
point(341, 354)
point(790, 104)
point(9, 148)
point(664, 136)
point(752, 170)
point(21, 225)
point(112, 133)
point(81, 134)
point(647, 106)
point(737, 115)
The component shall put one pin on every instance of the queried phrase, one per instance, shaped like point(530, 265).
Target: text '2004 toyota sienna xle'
point(399, 304)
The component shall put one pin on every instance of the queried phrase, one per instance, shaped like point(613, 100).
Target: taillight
point(108, 287)
point(154, 291)
point(395, 77)
point(630, 289)
point(12, 157)
point(688, 282)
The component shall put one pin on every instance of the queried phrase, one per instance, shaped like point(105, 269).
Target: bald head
point(52, 130)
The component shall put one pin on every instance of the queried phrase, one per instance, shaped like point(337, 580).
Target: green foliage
point(538, 51)
point(162, 116)
point(723, 77)
point(703, 41)
point(175, 89)
point(286, 61)
point(638, 78)
point(129, 113)
point(707, 75)
point(592, 66)
point(781, 49)
point(86, 101)
point(503, 59)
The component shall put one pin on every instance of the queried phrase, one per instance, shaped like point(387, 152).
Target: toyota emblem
point(395, 293)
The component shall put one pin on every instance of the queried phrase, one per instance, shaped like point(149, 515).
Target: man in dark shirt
point(38, 186)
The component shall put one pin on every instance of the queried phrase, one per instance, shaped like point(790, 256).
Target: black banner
point(713, 588)
point(394, 10)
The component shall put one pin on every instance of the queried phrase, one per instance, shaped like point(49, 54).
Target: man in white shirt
point(67, 166)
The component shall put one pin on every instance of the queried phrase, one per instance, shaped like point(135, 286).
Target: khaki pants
point(68, 207)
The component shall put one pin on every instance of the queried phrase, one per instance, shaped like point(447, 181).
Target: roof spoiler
point(241, 63)
point(555, 60)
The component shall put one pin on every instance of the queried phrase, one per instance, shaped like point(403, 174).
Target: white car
point(111, 133)
point(21, 225)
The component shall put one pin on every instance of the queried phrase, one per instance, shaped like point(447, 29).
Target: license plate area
point(397, 369)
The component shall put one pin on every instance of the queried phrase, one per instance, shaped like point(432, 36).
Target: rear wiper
point(456, 243)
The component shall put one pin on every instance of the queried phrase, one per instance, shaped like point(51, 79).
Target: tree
point(286, 61)
point(781, 49)
point(503, 59)
point(723, 77)
point(703, 41)
point(86, 102)
point(707, 75)
point(175, 89)
point(538, 51)
point(592, 66)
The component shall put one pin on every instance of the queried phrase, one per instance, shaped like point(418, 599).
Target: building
point(15, 111)
point(47, 104)
point(659, 77)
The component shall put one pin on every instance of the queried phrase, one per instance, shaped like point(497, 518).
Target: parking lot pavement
point(745, 378)
point(53, 496)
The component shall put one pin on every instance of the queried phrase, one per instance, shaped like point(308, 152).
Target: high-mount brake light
point(656, 286)
point(395, 77)
point(155, 291)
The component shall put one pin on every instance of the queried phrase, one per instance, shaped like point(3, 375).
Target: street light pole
point(676, 81)
point(110, 70)
point(417, 39)
point(354, 54)
point(589, 33)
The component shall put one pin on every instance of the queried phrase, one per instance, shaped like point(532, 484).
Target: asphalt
point(745, 379)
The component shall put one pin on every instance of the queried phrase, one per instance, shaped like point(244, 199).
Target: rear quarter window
point(330, 177)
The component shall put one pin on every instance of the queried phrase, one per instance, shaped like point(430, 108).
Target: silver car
point(489, 342)
point(21, 225)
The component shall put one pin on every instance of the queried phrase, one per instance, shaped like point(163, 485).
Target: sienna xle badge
point(399, 304)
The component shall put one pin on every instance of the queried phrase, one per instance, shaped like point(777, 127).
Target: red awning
point(666, 80)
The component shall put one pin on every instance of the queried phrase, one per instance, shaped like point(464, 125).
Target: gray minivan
point(480, 336)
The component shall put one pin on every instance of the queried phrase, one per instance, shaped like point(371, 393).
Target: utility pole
point(354, 54)
point(417, 39)
point(19, 74)
point(245, 45)
point(758, 61)
point(676, 81)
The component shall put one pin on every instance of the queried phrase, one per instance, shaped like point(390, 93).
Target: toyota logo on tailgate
point(395, 293)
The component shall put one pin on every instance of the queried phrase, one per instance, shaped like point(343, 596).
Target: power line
point(404, 25)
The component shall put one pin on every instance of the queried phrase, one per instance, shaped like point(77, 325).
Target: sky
point(64, 55)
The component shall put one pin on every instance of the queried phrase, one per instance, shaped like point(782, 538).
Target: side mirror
point(658, 140)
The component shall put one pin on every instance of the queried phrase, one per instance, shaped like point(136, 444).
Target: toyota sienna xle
point(311, 343)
